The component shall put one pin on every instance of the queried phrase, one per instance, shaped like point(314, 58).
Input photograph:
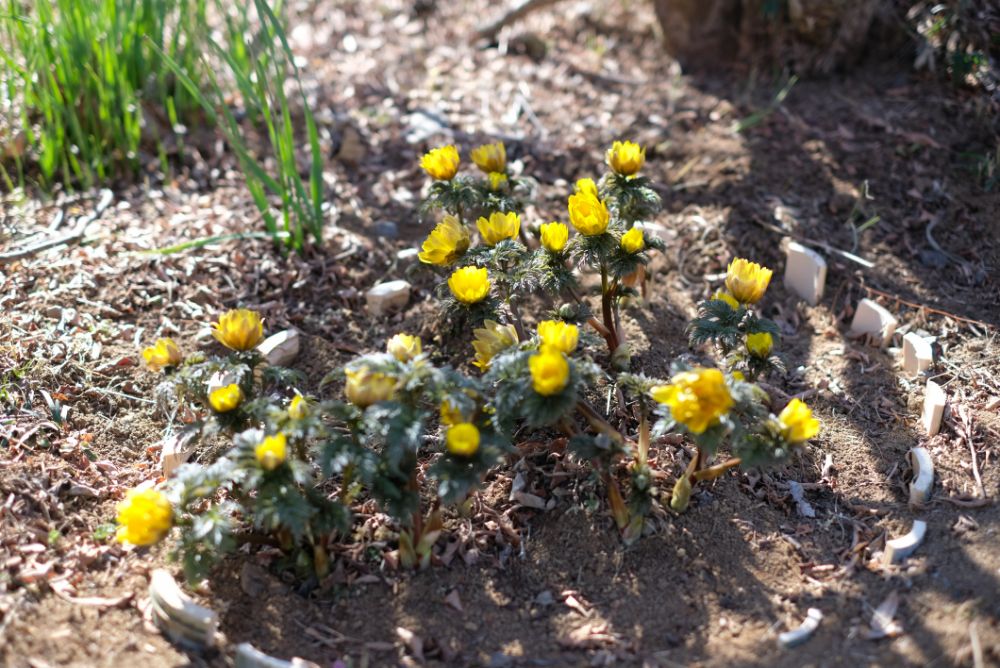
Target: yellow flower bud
point(450, 413)
point(697, 398)
point(469, 285)
point(633, 241)
point(447, 242)
point(549, 372)
point(144, 517)
point(588, 214)
point(298, 408)
point(161, 354)
point(462, 439)
point(747, 281)
point(239, 329)
point(738, 375)
point(491, 340)
point(588, 187)
point(554, 237)
point(490, 158)
point(226, 398)
point(626, 158)
point(364, 387)
point(797, 422)
point(497, 180)
point(759, 344)
point(499, 227)
point(558, 335)
point(404, 347)
point(271, 452)
point(441, 163)
point(722, 295)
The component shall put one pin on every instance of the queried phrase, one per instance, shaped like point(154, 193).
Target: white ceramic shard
point(222, 379)
point(923, 476)
point(804, 631)
point(871, 318)
point(407, 255)
point(280, 349)
point(177, 615)
point(654, 230)
point(934, 403)
point(805, 272)
point(175, 451)
point(917, 353)
point(388, 297)
point(248, 656)
point(900, 548)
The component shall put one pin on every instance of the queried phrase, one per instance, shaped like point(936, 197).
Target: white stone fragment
point(805, 272)
point(248, 656)
point(222, 379)
point(923, 476)
point(917, 353)
point(175, 451)
point(177, 615)
point(388, 297)
point(871, 318)
point(935, 399)
point(808, 626)
point(900, 548)
point(407, 255)
point(280, 349)
point(655, 230)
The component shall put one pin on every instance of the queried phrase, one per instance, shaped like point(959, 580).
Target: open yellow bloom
point(633, 241)
point(364, 387)
point(469, 285)
point(162, 353)
point(554, 236)
point(144, 517)
point(450, 413)
point(497, 180)
point(759, 344)
point(500, 226)
point(441, 163)
point(491, 340)
point(722, 295)
point(298, 407)
point(697, 398)
point(626, 158)
point(558, 335)
point(588, 214)
point(226, 398)
point(588, 187)
point(747, 281)
point(462, 439)
point(490, 158)
point(404, 347)
point(797, 422)
point(271, 452)
point(446, 243)
point(549, 372)
point(239, 329)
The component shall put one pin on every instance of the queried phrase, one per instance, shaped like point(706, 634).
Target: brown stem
point(597, 421)
point(518, 323)
point(642, 451)
point(713, 472)
point(418, 519)
point(609, 321)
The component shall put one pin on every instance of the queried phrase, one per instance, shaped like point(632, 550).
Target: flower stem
point(597, 421)
point(713, 472)
point(606, 309)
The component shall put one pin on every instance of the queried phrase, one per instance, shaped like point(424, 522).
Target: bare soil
point(515, 586)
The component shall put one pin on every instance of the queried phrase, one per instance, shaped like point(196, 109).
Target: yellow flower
point(404, 347)
point(239, 329)
point(364, 387)
point(697, 398)
point(633, 241)
point(588, 187)
point(759, 344)
point(490, 158)
point(626, 158)
point(162, 353)
point(738, 375)
point(797, 422)
point(298, 408)
point(441, 163)
point(588, 214)
point(549, 372)
point(450, 413)
point(462, 439)
point(446, 243)
point(490, 341)
point(554, 236)
point(144, 517)
point(722, 295)
point(226, 398)
point(747, 280)
point(271, 452)
point(469, 285)
point(500, 226)
point(558, 335)
point(497, 180)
